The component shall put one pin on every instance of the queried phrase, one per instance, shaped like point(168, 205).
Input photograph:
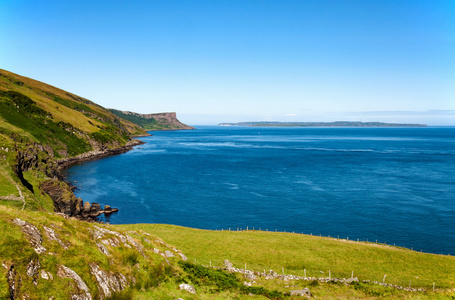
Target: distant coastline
point(320, 124)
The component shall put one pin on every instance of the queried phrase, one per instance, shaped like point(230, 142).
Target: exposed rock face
point(32, 270)
point(64, 199)
point(33, 235)
point(52, 235)
point(187, 287)
point(127, 240)
point(108, 283)
point(14, 282)
point(102, 248)
point(83, 290)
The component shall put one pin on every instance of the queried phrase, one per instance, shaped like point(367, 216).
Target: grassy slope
point(62, 124)
point(61, 104)
point(296, 252)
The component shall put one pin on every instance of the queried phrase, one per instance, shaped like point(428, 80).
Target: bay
point(393, 185)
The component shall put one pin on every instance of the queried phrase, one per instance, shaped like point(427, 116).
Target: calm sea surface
point(393, 185)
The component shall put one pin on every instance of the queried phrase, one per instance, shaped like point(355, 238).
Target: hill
point(159, 121)
point(42, 128)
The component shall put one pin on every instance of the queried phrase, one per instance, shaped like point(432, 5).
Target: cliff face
point(158, 121)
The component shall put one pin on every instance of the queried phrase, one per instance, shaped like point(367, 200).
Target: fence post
point(352, 274)
point(433, 286)
point(330, 276)
point(383, 279)
point(304, 272)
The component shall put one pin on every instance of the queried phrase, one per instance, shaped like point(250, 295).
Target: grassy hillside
point(299, 254)
point(41, 252)
point(66, 122)
point(40, 124)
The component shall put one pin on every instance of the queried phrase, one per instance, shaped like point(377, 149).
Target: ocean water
point(393, 185)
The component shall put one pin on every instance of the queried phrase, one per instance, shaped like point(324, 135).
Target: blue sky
point(227, 61)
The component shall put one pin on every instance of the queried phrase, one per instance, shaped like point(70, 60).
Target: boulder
point(109, 210)
point(86, 207)
point(187, 287)
point(95, 207)
point(351, 280)
point(228, 264)
point(304, 292)
point(168, 253)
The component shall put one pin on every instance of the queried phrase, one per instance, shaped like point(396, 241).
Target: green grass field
point(297, 254)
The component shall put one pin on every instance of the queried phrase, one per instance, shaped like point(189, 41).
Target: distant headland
point(320, 124)
point(158, 121)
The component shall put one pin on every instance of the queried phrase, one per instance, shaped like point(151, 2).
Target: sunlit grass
point(299, 254)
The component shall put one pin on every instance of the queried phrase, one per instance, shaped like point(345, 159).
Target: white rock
point(168, 253)
point(187, 287)
point(68, 273)
point(102, 248)
point(34, 236)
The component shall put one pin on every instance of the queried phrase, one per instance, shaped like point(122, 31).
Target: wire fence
point(338, 237)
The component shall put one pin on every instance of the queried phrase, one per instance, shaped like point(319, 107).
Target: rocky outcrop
point(83, 292)
point(33, 269)
point(64, 199)
point(108, 283)
point(33, 235)
point(14, 282)
point(53, 236)
point(66, 202)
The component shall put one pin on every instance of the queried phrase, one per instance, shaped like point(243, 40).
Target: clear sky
point(247, 60)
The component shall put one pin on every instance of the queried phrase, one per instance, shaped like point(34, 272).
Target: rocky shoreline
point(92, 155)
point(59, 188)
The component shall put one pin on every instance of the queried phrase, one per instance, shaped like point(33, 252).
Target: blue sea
point(390, 185)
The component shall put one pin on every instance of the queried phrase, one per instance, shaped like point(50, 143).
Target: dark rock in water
point(109, 210)
point(86, 208)
point(95, 207)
